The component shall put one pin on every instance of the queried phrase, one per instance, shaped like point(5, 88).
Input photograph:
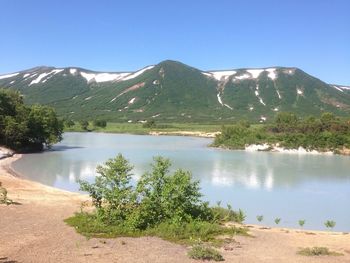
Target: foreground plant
point(330, 224)
point(301, 223)
point(277, 221)
point(161, 204)
point(317, 251)
point(260, 218)
point(203, 252)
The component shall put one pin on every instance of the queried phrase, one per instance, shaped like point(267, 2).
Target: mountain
point(174, 92)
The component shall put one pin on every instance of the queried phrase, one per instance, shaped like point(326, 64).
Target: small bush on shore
point(160, 204)
point(318, 251)
point(203, 252)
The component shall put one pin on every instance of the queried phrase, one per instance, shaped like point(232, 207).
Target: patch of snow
point(12, 82)
point(88, 98)
point(251, 108)
point(132, 101)
point(73, 71)
point(275, 109)
point(338, 88)
point(262, 102)
point(299, 91)
point(219, 75)
point(244, 76)
point(257, 93)
point(8, 76)
point(228, 106)
point(103, 77)
point(347, 88)
point(263, 118)
point(129, 121)
point(113, 99)
point(155, 116)
point(207, 74)
point(39, 78)
point(137, 73)
point(155, 82)
point(219, 99)
point(74, 97)
point(278, 93)
point(26, 75)
point(271, 73)
point(255, 72)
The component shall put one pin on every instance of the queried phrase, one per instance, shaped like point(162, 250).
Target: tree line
point(324, 133)
point(27, 128)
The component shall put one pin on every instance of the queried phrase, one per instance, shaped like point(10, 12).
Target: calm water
point(290, 186)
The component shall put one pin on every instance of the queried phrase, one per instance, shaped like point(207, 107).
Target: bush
point(164, 204)
point(318, 251)
point(205, 253)
point(149, 124)
point(84, 125)
point(100, 123)
point(157, 197)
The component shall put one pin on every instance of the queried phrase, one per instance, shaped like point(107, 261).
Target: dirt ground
point(32, 230)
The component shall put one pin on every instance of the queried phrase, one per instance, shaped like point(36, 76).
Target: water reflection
point(259, 182)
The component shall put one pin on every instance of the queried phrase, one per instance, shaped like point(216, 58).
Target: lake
point(289, 186)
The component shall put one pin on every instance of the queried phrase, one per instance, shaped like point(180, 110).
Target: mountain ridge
point(173, 91)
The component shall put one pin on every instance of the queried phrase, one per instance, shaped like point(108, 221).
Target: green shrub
point(161, 204)
point(317, 251)
point(203, 252)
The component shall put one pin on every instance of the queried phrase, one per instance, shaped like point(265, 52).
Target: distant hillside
point(173, 92)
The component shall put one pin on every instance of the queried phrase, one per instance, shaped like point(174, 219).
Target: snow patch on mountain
point(103, 77)
point(338, 88)
point(219, 99)
point(255, 72)
point(272, 74)
point(244, 76)
point(39, 78)
point(73, 71)
point(132, 101)
point(220, 75)
point(137, 73)
point(8, 76)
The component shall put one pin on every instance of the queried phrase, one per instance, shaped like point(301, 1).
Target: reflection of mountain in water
point(78, 157)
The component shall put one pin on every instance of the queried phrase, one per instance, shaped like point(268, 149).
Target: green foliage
point(84, 125)
point(203, 252)
point(69, 123)
point(157, 197)
point(260, 218)
point(325, 134)
point(150, 124)
point(330, 224)
point(277, 221)
point(301, 222)
point(100, 123)
point(162, 204)
point(317, 251)
point(27, 128)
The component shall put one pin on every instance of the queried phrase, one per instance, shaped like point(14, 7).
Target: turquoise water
point(290, 186)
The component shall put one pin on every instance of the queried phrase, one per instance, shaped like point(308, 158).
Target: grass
point(317, 251)
point(186, 233)
point(202, 252)
point(137, 128)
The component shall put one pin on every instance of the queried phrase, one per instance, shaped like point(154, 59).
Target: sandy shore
point(32, 230)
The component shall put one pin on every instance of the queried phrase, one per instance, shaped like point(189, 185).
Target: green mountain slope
point(174, 92)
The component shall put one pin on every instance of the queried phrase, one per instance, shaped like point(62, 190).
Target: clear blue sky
point(313, 35)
